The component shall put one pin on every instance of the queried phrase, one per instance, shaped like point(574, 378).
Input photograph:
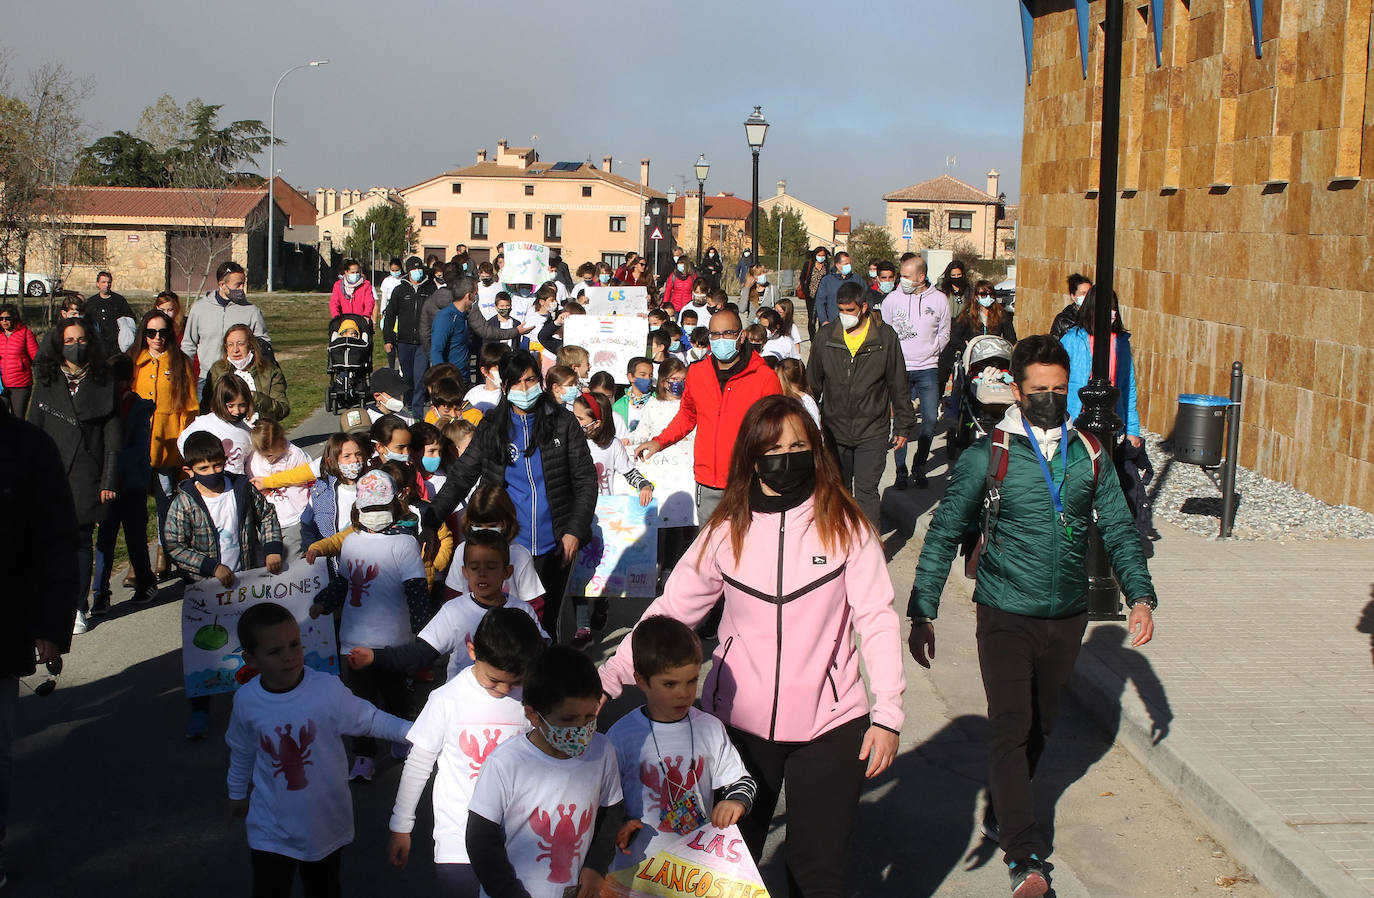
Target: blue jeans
point(129, 512)
point(164, 488)
point(85, 557)
point(925, 388)
point(413, 364)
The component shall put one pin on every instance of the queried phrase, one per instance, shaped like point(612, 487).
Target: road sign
point(656, 234)
point(372, 229)
point(908, 228)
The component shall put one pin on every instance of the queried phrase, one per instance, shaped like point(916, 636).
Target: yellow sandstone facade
point(1244, 219)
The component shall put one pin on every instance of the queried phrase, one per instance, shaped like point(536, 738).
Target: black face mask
point(790, 474)
point(1045, 410)
point(212, 482)
point(76, 353)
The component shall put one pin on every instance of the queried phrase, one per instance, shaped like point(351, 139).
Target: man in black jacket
point(859, 376)
point(401, 330)
point(105, 310)
point(38, 544)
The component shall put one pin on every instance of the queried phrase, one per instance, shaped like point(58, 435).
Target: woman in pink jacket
point(17, 350)
point(352, 293)
point(799, 587)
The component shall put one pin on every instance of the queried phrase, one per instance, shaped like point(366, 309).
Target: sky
point(861, 102)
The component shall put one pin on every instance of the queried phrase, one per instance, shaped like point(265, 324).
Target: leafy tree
point(394, 233)
point(164, 123)
point(121, 160)
point(211, 156)
point(794, 244)
point(870, 242)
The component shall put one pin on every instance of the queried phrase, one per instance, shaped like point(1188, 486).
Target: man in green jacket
point(1032, 590)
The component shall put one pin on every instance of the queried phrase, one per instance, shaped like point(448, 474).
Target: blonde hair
point(572, 356)
point(266, 436)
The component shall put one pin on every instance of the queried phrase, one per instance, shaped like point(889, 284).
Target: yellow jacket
point(153, 381)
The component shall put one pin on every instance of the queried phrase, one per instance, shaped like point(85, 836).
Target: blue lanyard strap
point(1045, 466)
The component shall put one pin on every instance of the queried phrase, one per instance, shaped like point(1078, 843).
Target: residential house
point(584, 212)
point(725, 223)
point(822, 228)
point(946, 213)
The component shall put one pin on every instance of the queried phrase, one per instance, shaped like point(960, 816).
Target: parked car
point(35, 283)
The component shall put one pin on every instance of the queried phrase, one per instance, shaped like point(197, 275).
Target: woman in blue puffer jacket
point(1079, 343)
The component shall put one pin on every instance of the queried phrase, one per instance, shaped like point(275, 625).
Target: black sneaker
point(1028, 879)
point(919, 478)
point(100, 605)
point(901, 479)
point(143, 595)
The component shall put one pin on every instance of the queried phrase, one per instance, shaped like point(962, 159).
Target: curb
point(1281, 859)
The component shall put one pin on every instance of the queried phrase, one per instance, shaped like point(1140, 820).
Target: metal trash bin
point(1199, 428)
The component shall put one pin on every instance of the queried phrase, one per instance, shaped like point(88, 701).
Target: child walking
point(217, 524)
point(381, 588)
point(674, 759)
point(272, 454)
point(287, 766)
point(560, 778)
point(460, 725)
point(491, 508)
point(231, 403)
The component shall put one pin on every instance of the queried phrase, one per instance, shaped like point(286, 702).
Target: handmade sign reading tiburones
point(212, 659)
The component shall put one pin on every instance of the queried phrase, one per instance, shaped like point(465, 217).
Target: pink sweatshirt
point(362, 302)
point(787, 668)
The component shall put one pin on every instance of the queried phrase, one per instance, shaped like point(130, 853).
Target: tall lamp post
point(755, 130)
point(672, 198)
point(272, 170)
point(702, 169)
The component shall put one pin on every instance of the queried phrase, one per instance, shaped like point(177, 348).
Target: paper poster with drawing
point(675, 487)
point(621, 559)
point(610, 340)
point(616, 300)
point(525, 263)
point(708, 861)
point(212, 658)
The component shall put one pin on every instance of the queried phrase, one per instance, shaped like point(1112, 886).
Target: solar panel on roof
point(566, 166)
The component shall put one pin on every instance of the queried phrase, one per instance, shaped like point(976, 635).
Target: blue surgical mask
point(986, 301)
point(525, 399)
point(417, 275)
point(763, 280)
point(682, 269)
point(395, 456)
point(846, 268)
point(644, 384)
point(353, 277)
point(820, 258)
point(604, 278)
point(570, 395)
point(886, 286)
point(430, 463)
point(724, 348)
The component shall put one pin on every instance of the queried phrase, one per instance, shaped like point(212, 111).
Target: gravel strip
point(1183, 495)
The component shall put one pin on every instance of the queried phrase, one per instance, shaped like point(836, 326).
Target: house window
point(920, 218)
point(618, 224)
point(615, 260)
point(82, 250)
point(457, 187)
point(553, 227)
point(529, 190)
point(961, 221)
point(348, 219)
point(479, 226)
point(586, 190)
point(429, 219)
point(529, 221)
point(510, 220)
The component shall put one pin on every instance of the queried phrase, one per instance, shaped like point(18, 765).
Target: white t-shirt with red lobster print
point(547, 807)
point(463, 724)
point(659, 762)
point(377, 565)
point(289, 745)
point(454, 623)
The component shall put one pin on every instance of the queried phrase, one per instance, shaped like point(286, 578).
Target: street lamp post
point(272, 170)
point(755, 130)
point(702, 169)
point(672, 198)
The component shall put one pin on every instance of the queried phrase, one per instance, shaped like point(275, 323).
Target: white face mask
point(392, 404)
point(908, 285)
point(849, 322)
point(698, 353)
point(1078, 301)
point(243, 363)
point(375, 520)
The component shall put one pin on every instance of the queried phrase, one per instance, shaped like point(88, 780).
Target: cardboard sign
point(708, 861)
point(675, 485)
point(610, 340)
point(525, 263)
point(621, 559)
point(616, 300)
point(212, 658)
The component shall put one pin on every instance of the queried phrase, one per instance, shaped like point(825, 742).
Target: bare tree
point(165, 124)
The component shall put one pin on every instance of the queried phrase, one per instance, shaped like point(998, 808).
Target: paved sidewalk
point(1256, 704)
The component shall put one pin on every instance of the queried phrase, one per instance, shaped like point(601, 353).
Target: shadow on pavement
point(901, 508)
point(1366, 624)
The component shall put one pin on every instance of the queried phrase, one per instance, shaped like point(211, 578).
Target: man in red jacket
point(719, 390)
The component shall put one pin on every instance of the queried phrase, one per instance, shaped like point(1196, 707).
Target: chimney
point(644, 172)
point(319, 201)
point(782, 187)
point(844, 211)
point(331, 201)
point(482, 155)
point(606, 163)
point(501, 147)
point(993, 177)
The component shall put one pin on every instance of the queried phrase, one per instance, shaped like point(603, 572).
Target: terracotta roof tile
point(542, 171)
point(721, 206)
point(163, 204)
point(944, 189)
point(843, 223)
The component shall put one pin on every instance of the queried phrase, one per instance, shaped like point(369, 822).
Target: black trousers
point(1026, 664)
point(457, 880)
point(384, 688)
point(861, 468)
point(823, 779)
point(274, 874)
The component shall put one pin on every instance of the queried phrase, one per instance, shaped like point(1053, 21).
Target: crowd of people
point(448, 517)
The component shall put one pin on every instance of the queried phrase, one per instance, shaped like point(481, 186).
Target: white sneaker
point(80, 626)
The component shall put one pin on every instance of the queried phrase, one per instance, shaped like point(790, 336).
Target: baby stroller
point(982, 383)
point(350, 362)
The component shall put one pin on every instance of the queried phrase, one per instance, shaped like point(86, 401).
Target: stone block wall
point(1245, 219)
point(136, 258)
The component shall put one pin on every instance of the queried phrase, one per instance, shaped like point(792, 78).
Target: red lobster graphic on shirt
point(291, 755)
point(360, 577)
point(478, 753)
point(675, 783)
point(559, 843)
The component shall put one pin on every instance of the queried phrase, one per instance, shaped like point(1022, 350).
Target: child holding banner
point(462, 722)
point(673, 758)
point(542, 800)
point(286, 741)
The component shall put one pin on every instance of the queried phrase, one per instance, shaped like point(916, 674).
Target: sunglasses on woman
point(156, 333)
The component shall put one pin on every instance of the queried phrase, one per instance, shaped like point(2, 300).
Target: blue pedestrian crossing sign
point(908, 228)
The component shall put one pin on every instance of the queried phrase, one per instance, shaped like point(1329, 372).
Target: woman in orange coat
point(163, 374)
